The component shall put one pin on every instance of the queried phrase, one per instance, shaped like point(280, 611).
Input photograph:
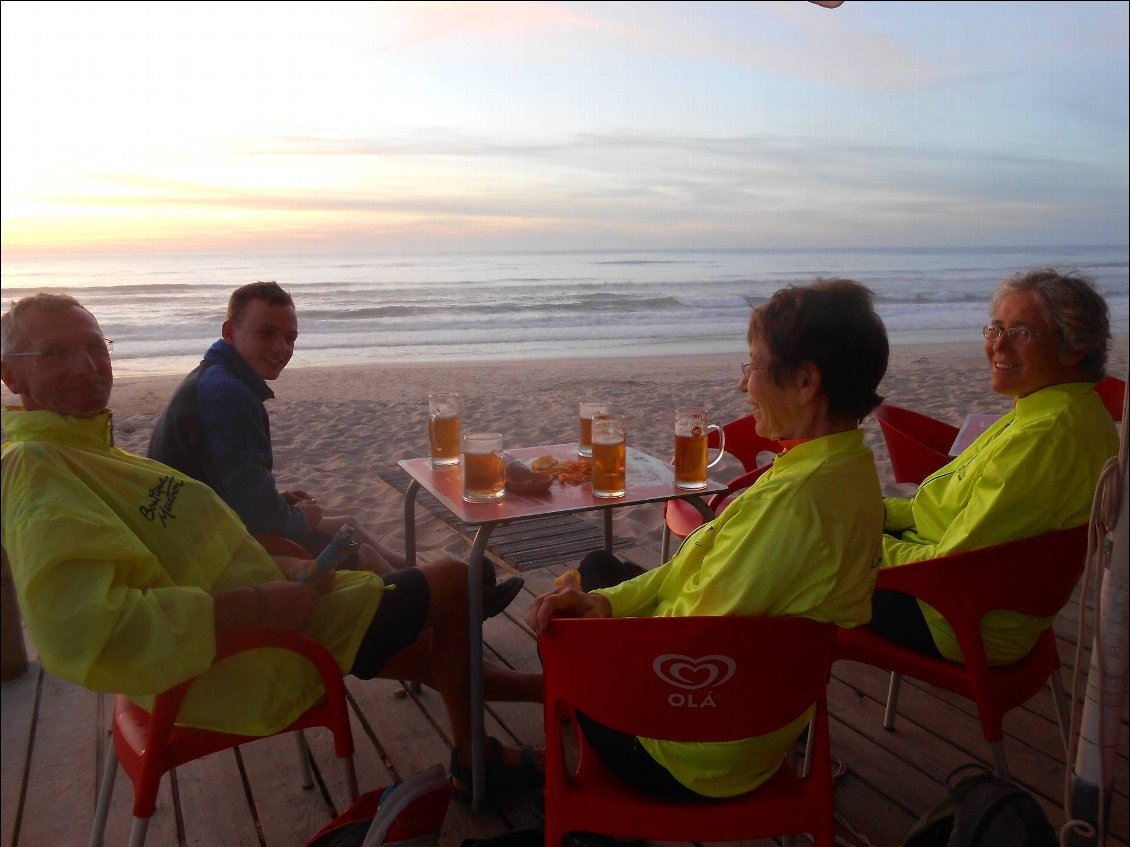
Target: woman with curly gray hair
point(1032, 472)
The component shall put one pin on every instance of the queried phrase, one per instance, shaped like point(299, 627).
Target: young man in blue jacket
point(216, 429)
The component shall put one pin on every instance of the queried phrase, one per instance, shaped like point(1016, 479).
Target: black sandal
point(497, 598)
point(500, 776)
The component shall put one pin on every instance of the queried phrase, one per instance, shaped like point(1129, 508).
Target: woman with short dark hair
point(801, 541)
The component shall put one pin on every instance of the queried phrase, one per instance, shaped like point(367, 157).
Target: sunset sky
point(388, 126)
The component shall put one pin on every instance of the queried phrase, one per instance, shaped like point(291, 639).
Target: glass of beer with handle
point(484, 467)
point(589, 410)
point(609, 457)
point(443, 429)
point(691, 428)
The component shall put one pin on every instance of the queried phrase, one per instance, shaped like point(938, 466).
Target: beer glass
point(609, 450)
point(443, 429)
point(484, 468)
point(690, 447)
point(588, 412)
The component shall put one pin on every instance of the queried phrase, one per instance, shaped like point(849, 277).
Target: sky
point(561, 126)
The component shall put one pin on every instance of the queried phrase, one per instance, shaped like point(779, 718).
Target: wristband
point(262, 597)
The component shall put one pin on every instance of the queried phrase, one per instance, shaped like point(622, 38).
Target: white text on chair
point(692, 675)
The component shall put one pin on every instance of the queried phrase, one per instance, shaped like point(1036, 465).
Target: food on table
point(567, 472)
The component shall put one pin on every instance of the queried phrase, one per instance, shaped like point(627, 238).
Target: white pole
point(1093, 777)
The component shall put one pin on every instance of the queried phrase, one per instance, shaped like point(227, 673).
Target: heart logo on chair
point(693, 674)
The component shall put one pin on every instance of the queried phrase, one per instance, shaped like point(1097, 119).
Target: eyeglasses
point(59, 354)
point(750, 366)
point(1016, 334)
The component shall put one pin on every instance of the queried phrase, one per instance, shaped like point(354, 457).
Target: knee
point(447, 580)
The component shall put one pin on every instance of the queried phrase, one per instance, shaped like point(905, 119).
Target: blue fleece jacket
point(216, 429)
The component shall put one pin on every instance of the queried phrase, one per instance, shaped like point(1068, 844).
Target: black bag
point(982, 810)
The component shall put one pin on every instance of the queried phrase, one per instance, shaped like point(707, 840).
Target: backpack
point(408, 814)
point(982, 810)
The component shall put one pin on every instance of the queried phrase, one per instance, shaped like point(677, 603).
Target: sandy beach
point(335, 429)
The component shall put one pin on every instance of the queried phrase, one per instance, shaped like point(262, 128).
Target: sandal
point(500, 776)
point(496, 599)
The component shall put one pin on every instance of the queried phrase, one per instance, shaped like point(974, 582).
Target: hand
point(289, 604)
point(311, 511)
point(296, 496)
point(295, 569)
point(568, 601)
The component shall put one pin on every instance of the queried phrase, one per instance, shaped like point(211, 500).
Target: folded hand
point(566, 601)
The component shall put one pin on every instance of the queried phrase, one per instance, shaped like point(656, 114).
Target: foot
point(500, 596)
point(508, 769)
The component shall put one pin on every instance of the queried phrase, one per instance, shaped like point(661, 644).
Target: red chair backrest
point(917, 444)
point(743, 442)
point(1034, 576)
point(1113, 391)
point(688, 679)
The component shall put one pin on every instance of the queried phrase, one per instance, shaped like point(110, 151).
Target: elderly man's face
point(74, 377)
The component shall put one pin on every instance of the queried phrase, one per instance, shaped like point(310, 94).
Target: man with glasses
point(126, 569)
point(1034, 471)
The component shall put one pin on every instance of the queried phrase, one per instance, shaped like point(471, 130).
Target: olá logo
point(693, 675)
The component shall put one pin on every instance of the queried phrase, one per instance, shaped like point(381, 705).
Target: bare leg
point(439, 658)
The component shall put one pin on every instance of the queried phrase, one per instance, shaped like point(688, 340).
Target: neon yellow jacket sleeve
point(1034, 471)
point(114, 558)
point(803, 541)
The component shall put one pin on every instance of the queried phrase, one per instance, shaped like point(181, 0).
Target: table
point(648, 480)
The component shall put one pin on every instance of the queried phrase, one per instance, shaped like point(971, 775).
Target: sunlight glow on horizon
point(199, 126)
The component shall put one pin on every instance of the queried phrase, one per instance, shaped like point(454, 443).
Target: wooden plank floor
point(55, 736)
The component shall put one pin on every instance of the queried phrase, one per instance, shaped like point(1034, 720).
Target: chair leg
point(666, 541)
point(809, 744)
point(350, 778)
point(998, 759)
point(304, 759)
point(105, 793)
point(137, 834)
point(1062, 709)
point(892, 702)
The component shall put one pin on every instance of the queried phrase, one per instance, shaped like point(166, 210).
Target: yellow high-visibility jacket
point(114, 557)
point(1033, 471)
point(802, 541)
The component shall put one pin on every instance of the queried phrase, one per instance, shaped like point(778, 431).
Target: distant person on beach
point(1034, 471)
point(216, 428)
point(803, 540)
point(126, 570)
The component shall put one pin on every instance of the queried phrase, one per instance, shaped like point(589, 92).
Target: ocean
point(163, 310)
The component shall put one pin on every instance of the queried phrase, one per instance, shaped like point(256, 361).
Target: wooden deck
point(55, 736)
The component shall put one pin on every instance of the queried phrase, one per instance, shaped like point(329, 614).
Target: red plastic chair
point(148, 744)
point(779, 668)
point(1112, 390)
point(917, 444)
point(745, 445)
point(1034, 576)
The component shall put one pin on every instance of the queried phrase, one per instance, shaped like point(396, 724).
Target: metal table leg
point(607, 517)
point(475, 657)
point(700, 504)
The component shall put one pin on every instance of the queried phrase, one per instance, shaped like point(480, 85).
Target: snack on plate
point(572, 472)
point(543, 463)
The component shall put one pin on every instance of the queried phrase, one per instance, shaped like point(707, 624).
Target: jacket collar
point(92, 433)
point(223, 353)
